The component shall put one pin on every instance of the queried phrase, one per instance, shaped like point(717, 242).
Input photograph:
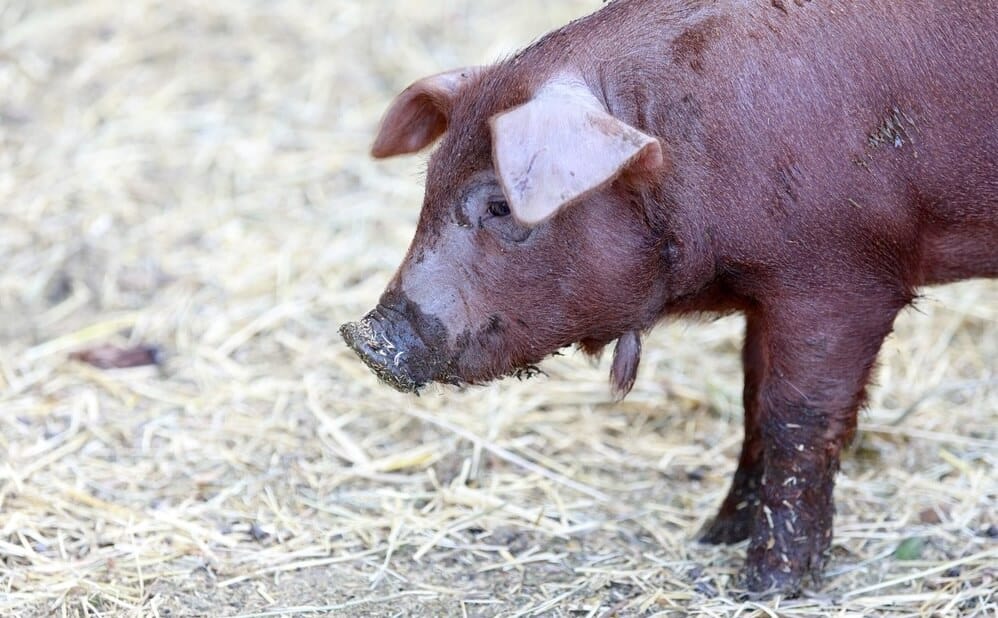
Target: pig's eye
point(498, 208)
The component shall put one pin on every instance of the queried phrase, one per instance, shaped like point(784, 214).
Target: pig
point(809, 165)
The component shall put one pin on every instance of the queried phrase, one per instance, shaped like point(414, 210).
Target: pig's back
point(877, 119)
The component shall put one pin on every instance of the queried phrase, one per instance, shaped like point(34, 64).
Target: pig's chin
point(481, 364)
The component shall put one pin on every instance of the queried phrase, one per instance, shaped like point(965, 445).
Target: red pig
point(808, 164)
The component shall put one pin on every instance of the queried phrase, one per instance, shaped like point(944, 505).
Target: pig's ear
point(419, 115)
point(562, 144)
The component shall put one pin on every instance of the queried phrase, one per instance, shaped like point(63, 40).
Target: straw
point(194, 176)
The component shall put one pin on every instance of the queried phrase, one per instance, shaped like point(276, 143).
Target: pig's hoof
point(766, 581)
point(770, 572)
point(728, 528)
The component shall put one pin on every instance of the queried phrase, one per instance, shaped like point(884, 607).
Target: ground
point(194, 176)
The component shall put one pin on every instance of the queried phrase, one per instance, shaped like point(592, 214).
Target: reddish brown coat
point(808, 164)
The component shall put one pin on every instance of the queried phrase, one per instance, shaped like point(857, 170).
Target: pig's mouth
point(400, 357)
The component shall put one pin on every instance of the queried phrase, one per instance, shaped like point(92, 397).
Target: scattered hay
point(194, 176)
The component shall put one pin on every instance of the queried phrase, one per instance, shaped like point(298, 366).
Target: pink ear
point(562, 144)
point(419, 115)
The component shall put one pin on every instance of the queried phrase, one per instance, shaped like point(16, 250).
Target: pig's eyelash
point(498, 208)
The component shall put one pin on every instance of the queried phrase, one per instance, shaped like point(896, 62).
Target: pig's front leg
point(821, 350)
point(733, 522)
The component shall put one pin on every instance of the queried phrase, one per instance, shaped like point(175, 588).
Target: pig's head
point(532, 235)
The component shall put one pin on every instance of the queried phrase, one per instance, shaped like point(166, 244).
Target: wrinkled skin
point(809, 165)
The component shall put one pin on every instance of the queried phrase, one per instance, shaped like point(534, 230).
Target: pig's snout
point(388, 343)
point(380, 343)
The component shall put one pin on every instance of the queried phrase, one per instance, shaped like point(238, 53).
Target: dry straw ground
point(193, 175)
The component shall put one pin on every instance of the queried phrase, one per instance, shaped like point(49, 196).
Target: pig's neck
point(680, 227)
point(622, 53)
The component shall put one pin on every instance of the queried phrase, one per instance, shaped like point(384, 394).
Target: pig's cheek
point(479, 363)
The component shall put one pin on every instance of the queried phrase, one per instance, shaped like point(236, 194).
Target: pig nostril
point(365, 340)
